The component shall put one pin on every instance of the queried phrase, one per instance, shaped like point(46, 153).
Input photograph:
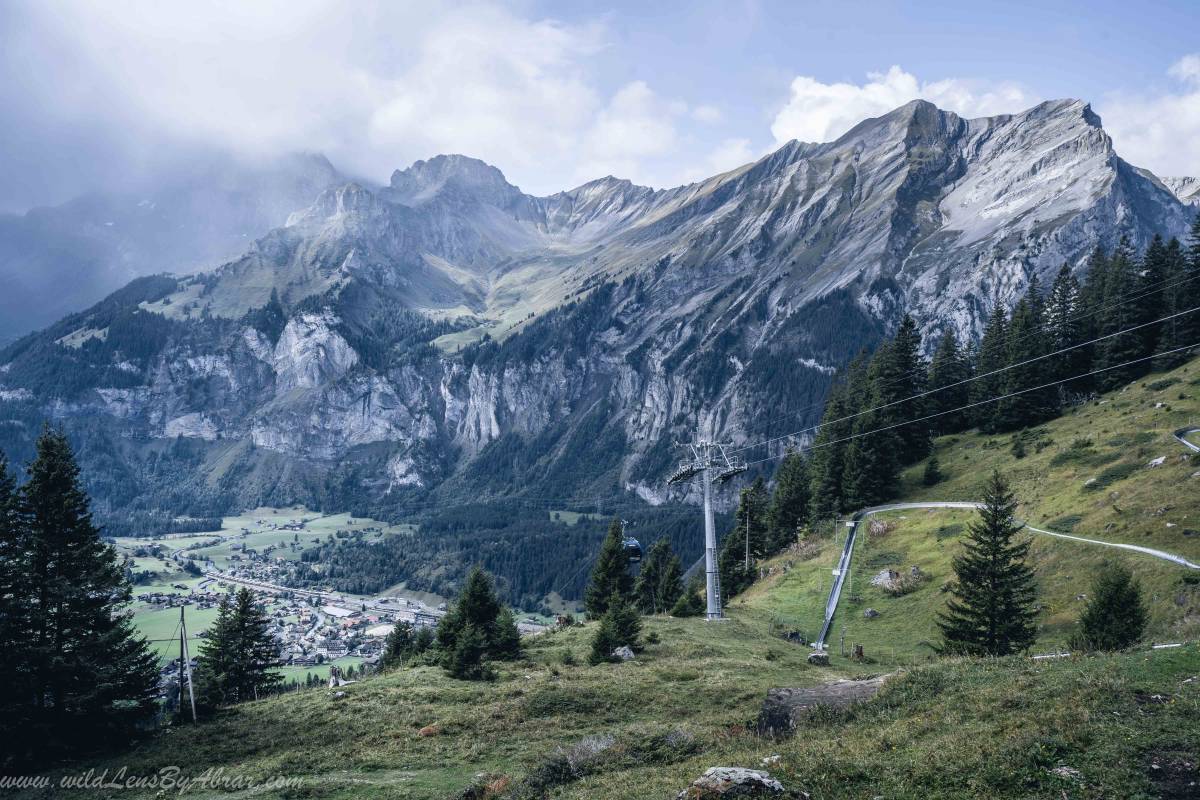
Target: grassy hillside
point(1086, 473)
point(645, 729)
point(1123, 725)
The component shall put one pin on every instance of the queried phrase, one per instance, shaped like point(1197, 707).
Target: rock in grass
point(623, 652)
point(786, 709)
point(731, 782)
point(870, 613)
point(819, 658)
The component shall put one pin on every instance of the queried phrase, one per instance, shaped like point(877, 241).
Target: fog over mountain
point(59, 259)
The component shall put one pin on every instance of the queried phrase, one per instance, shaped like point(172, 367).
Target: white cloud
point(1186, 69)
point(820, 112)
point(1160, 132)
point(709, 115)
point(635, 125)
point(373, 90)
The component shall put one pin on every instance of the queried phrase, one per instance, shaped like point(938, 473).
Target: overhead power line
point(983, 402)
point(1145, 291)
point(926, 393)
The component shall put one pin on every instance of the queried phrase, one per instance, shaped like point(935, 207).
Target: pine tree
point(619, 627)
point(610, 574)
point(1117, 315)
point(874, 454)
point(1115, 615)
point(653, 578)
point(398, 646)
point(828, 463)
point(898, 373)
point(506, 643)
point(670, 585)
point(746, 543)
point(467, 657)
point(1149, 299)
point(690, 603)
point(95, 680)
point(237, 661)
point(1066, 327)
point(788, 509)
point(991, 611)
point(989, 383)
point(948, 375)
point(933, 473)
point(15, 621)
point(493, 630)
point(1177, 299)
point(1026, 341)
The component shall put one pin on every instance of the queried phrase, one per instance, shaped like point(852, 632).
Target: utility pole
point(181, 662)
point(747, 537)
point(710, 461)
point(185, 660)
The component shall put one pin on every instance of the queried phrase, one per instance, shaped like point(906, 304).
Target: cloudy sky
point(96, 95)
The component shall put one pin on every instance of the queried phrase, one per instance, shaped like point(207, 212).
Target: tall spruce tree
point(993, 356)
point(1149, 299)
point(1178, 298)
point(1066, 327)
point(1115, 315)
point(877, 449)
point(948, 373)
point(743, 546)
point(670, 584)
point(991, 611)
point(610, 575)
point(898, 374)
point(94, 679)
point(15, 621)
point(399, 646)
point(788, 509)
point(1026, 342)
point(657, 586)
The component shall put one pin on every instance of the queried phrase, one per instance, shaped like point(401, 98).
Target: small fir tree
point(691, 602)
point(610, 575)
point(479, 611)
point(932, 474)
point(398, 646)
point(1115, 615)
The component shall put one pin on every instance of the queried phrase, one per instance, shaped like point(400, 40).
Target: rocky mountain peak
point(455, 177)
point(1185, 188)
point(338, 201)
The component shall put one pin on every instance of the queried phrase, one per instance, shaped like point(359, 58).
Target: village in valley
point(319, 631)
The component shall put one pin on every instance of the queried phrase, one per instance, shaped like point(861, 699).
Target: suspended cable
point(928, 392)
point(983, 402)
point(1146, 291)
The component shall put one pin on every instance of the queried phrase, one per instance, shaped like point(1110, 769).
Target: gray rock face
point(619, 318)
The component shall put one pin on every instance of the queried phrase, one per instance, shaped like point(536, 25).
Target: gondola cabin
point(633, 550)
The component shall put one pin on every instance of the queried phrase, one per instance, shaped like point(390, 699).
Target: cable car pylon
point(713, 464)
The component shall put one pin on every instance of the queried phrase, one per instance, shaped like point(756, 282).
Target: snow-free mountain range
point(448, 336)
